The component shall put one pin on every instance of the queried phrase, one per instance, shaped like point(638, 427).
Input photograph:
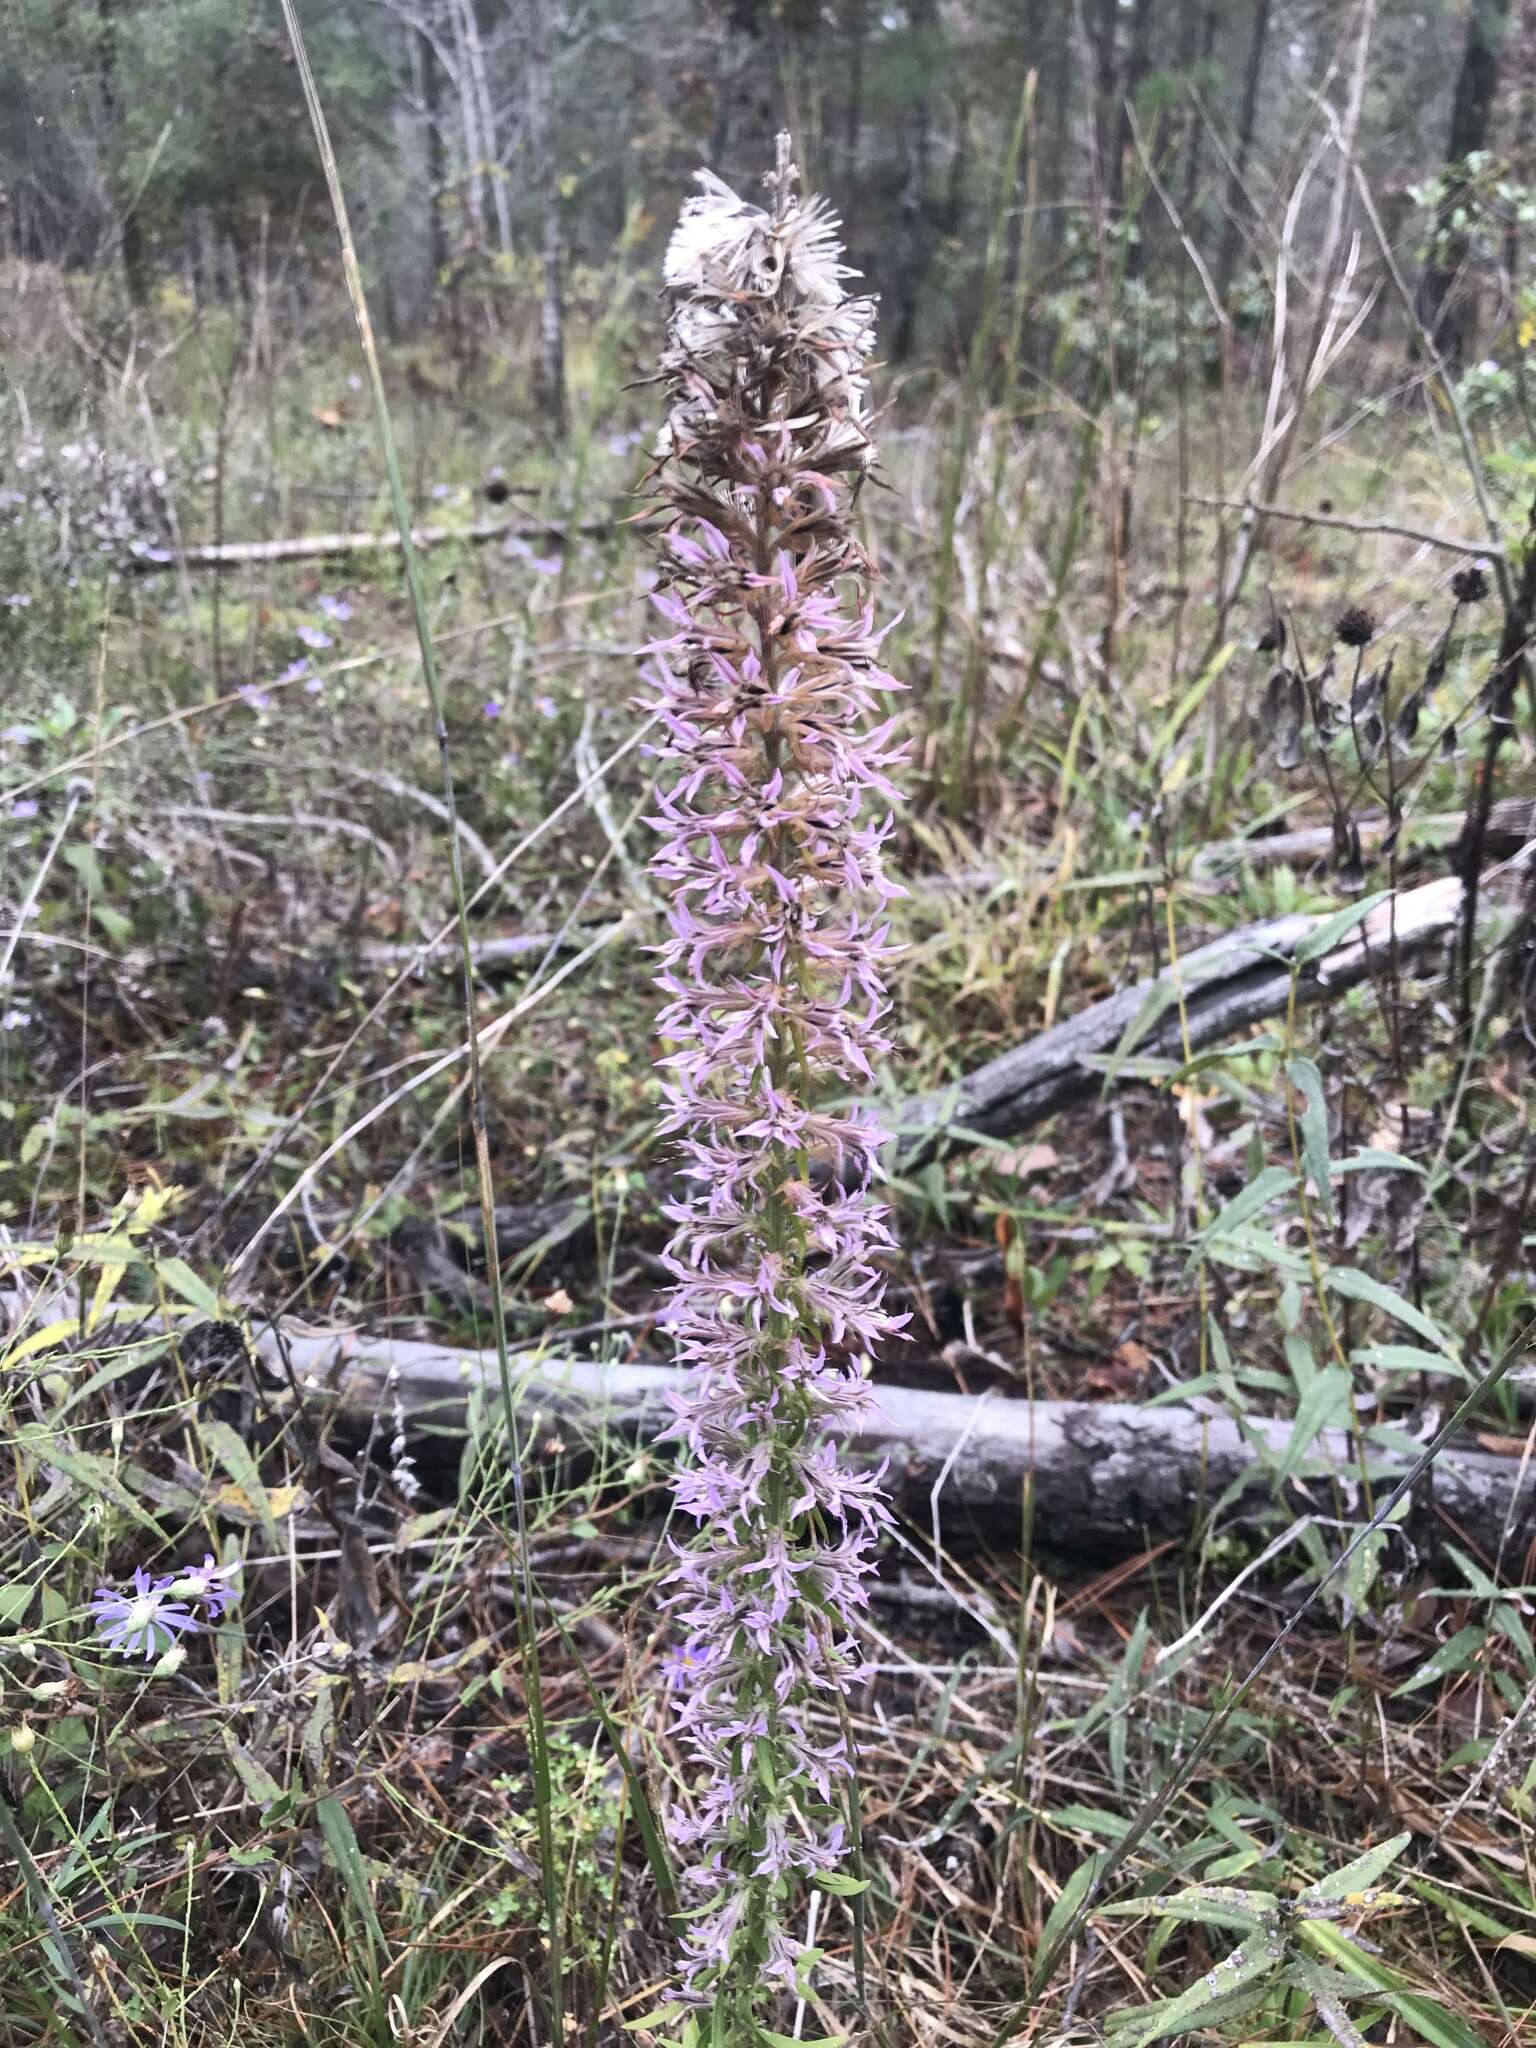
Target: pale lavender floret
point(211, 1583)
point(766, 686)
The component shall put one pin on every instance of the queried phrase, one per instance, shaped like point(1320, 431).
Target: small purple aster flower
point(144, 1621)
point(314, 636)
point(210, 1583)
point(24, 807)
point(544, 565)
point(295, 669)
point(335, 608)
point(491, 708)
point(546, 707)
point(253, 698)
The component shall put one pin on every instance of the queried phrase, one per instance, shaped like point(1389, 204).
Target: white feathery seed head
point(737, 271)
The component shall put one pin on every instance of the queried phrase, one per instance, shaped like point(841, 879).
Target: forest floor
point(228, 1093)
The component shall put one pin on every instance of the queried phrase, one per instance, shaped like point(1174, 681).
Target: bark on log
point(1106, 1477)
point(1228, 986)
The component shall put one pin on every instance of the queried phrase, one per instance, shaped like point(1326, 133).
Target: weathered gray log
point(1104, 1477)
point(1228, 986)
point(315, 547)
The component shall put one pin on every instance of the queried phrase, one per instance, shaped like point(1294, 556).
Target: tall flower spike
point(767, 682)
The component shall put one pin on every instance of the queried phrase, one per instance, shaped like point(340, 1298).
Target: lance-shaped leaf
point(1360, 1875)
point(1213, 1905)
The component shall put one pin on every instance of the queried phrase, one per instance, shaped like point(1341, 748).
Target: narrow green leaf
point(1210, 1905)
point(1408, 1358)
point(1243, 1207)
point(1362, 1874)
point(1324, 1401)
point(341, 1837)
point(1305, 1077)
point(1062, 1914)
point(1210, 1998)
point(230, 1449)
point(181, 1279)
point(1451, 1656)
point(1370, 1159)
point(1328, 934)
point(15, 1599)
point(1359, 1286)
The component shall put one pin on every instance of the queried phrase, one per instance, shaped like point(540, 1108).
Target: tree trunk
point(954, 202)
point(1237, 194)
point(429, 86)
point(912, 233)
point(130, 234)
point(1106, 116)
point(1200, 26)
point(1138, 63)
point(1448, 305)
point(495, 174)
point(854, 35)
point(541, 148)
point(469, 119)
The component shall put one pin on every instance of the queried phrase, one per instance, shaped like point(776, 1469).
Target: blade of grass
point(538, 1734)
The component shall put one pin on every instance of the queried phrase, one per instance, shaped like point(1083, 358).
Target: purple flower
point(16, 735)
point(253, 697)
point(335, 608)
point(544, 565)
point(295, 669)
point(24, 807)
point(209, 1583)
point(141, 1622)
point(491, 708)
point(772, 824)
point(314, 637)
point(18, 601)
point(546, 707)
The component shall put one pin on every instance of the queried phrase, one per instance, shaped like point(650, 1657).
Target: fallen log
point(315, 547)
point(1103, 1477)
point(1511, 822)
point(1213, 994)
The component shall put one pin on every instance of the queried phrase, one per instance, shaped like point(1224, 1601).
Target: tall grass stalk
point(527, 1622)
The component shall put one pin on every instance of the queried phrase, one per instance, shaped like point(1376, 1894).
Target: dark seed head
point(1470, 585)
point(1356, 627)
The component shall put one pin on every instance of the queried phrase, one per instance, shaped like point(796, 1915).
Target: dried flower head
point(767, 683)
point(1470, 585)
point(1356, 627)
